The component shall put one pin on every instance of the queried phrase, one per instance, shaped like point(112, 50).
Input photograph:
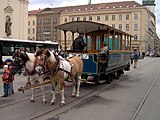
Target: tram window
point(98, 43)
point(89, 42)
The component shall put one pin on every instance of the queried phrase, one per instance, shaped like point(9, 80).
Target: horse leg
point(74, 87)
point(62, 92)
point(33, 90)
point(44, 101)
point(57, 88)
point(78, 82)
point(53, 93)
point(33, 95)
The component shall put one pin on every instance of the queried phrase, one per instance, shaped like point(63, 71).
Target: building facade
point(47, 19)
point(32, 24)
point(14, 18)
point(128, 16)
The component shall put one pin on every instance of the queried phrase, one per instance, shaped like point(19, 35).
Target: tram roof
point(86, 27)
point(27, 41)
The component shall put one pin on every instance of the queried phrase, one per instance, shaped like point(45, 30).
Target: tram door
point(1, 55)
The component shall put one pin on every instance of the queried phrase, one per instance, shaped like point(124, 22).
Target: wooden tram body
point(97, 64)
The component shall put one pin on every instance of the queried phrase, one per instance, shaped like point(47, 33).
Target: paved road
point(118, 102)
point(122, 100)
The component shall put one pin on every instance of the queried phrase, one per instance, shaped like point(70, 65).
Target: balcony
point(46, 33)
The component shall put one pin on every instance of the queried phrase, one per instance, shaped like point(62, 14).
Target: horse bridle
point(53, 70)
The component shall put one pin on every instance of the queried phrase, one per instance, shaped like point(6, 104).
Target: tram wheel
point(117, 75)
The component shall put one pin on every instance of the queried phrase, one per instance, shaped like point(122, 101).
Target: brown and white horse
point(59, 69)
point(29, 62)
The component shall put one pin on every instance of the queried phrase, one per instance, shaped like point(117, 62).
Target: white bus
point(8, 46)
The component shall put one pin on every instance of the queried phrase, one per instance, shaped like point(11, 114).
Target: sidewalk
point(19, 81)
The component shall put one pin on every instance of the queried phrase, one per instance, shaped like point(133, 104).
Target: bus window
point(8, 49)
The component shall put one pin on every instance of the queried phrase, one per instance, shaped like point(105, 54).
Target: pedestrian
point(132, 57)
point(12, 73)
point(79, 44)
point(6, 80)
point(135, 58)
point(37, 49)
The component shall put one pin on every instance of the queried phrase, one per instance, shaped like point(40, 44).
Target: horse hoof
point(62, 104)
point(77, 97)
point(32, 101)
point(73, 95)
point(44, 102)
point(52, 103)
point(57, 93)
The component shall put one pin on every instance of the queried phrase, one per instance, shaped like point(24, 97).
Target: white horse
point(29, 61)
point(67, 69)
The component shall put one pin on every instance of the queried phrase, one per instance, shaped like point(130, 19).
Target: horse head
point(45, 60)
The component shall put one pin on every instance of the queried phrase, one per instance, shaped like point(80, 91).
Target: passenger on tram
point(104, 49)
point(79, 44)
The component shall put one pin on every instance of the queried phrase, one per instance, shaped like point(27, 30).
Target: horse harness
point(52, 72)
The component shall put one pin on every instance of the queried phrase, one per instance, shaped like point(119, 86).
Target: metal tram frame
point(96, 64)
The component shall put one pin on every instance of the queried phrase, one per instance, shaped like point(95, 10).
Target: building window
point(65, 20)
point(84, 18)
point(72, 18)
point(28, 31)
point(47, 21)
point(113, 25)
point(47, 29)
point(120, 17)
point(120, 26)
point(33, 22)
point(33, 30)
point(54, 20)
point(127, 16)
point(33, 38)
point(127, 27)
point(90, 18)
point(98, 18)
point(78, 18)
point(28, 38)
point(38, 37)
point(135, 26)
point(54, 30)
point(113, 17)
point(39, 22)
point(28, 23)
point(39, 30)
point(47, 38)
point(135, 16)
point(106, 17)
point(135, 37)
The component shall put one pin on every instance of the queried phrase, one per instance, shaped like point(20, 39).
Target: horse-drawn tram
point(100, 65)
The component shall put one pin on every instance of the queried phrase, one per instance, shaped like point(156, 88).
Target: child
point(5, 79)
point(10, 87)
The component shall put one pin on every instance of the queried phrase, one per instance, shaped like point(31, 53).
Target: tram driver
point(79, 44)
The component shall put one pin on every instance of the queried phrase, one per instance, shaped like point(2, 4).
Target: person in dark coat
point(79, 44)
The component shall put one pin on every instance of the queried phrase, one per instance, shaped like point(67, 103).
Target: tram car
point(99, 65)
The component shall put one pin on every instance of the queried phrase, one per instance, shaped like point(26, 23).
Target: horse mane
point(52, 57)
point(31, 57)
